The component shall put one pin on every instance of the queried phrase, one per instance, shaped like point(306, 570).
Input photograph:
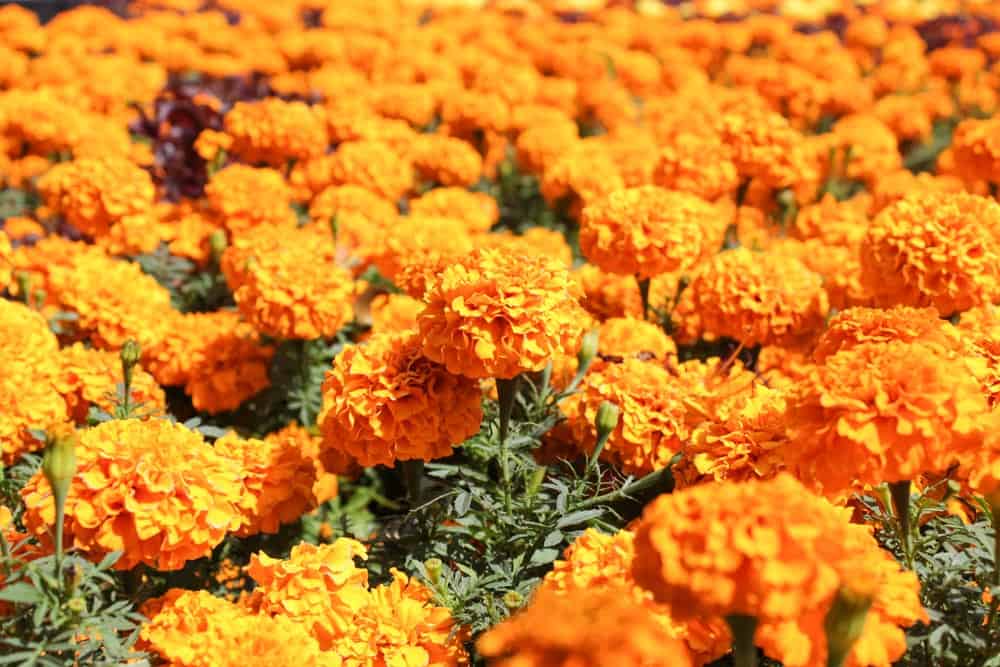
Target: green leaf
point(463, 501)
point(578, 517)
point(544, 556)
point(21, 593)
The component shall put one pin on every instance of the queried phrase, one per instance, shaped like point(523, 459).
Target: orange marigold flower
point(464, 112)
point(581, 176)
point(540, 146)
point(980, 333)
point(596, 627)
point(125, 496)
point(374, 166)
point(384, 402)
point(448, 161)
point(497, 315)
point(94, 194)
point(394, 313)
point(598, 561)
point(210, 142)
point(608, 294)
point(278, 479)
point(873, 146)
point(30, 402)
point(245, 197)
point(646, 231)
point(765, 147)
point(479, 210)
point(629, 336)
point(421, 243)
point(197, 629)
point(857, 326)
point(231, 364)
point(777, 553)
point(653, 422)
point(318, 587)
point(838, 266)
point(337, 200)
point(841, 223)
point(696, 165)
point(274, 131)
point(844, 431)
point(91, 377)
point(325, 486)
point(893, 186)
point(976, 149)
point(755, 298)
point(6, 259)
point(940, 250)
point(533, 242)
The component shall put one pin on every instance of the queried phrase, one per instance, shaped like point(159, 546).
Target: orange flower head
point(293, 437)
point(632, 337)
point(152, 489)
point(274, 131)
point(534, 242)
point(840, 223)
point(421, 244)
point(596, 627)
point(385, 402)
point(94, 194)
point(608, 294)
point(448, 161)
point(337, 200)
point(980, 334)
point(245, 197)
point(858, 326)
point(883, 412)
point(976, 149)
point(931, 249)
point(697, 165)
point(319, 588)
point(765, 147)
point(755, 298)
point(31, 402)
point(91, 377)
point(278, 480)
point(497, 315)
point(228, 364)
point(647, 230)
point(374, 166)
point(479, 210)
point(394, 313)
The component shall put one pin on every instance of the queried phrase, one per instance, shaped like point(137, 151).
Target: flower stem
point(413, 477)
point(653, 480)
point(507, 396)
point(744, 650)
point(900, 492)
point(644, 293)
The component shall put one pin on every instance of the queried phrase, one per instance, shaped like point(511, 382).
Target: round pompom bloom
point(495, 315)
point(932, 249)
point(698, 165)
point(632, 337)
point(608, 294)
point(533, 242)
point(25, 336)
point(337, 200)
point(652, 426)
point(541, 146)
point(479, 210)
point(596, 561)
point(374, 166)
point(646, 231)
point(197, 629)
point(980, 333)
point(765, 147)
point(6, 260)
point(857, 326)
point(95, 193)
point(91, 377)
point(422, 245)
point(755, 298)
point(976, 149)
point(274, 131)
point(838, 266)
point(30, 402)
point(151, 489)
point(297, 292)
point(384, 402)
point(838, 223)
point(278, 479)
point(595, 627)
point(319, 588)
point(245, 197)
point(394, 313)
point(325, 486)
point(448, 161)
point(245, 248)
point(882, 412)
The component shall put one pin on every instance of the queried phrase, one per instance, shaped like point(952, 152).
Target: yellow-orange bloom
point(337, 200)
point(151, 489)
point(278, 479)
point(595, 627)
point(698, 165)
point(245, 197)
point(374, 166)
point(883, 412)
point(294, 436)
point(479, 210)
point(274, 131)
point(91, 377)
point(384, 402)
point(608, 294)
point(932, 249)
point(765, 147)
point(498, 315)
point(976, 149)
point(394, 313)
point(448, 161)
point(629, 336)
point(755, 298)
point(857, 326)
point(647, 231)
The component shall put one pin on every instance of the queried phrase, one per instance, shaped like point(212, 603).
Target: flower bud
point(513, 600)
point(433, 567)
point(217, 243)
point(606, 419)
point(588, 350)
point(845, 621)
point(59, 464)
point(130, 353)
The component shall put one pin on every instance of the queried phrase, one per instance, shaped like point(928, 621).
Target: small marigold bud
point(513, 600)
point(588, 350)
point(433, 567)
point(59, 464)
point(217, 242)
point(77, 605)
point(845, 621)
point(131, 351)
point(606, 419)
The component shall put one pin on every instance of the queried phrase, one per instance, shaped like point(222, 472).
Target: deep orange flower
point(857, 326)
point(477, 209)
point(337, 200)
point(628, 336)
point(422, 245)
point(883, 412)
point(696, 165)
point(448, 161)
point(976, 149)
point(91, 377)
point(608, 294)
point(765, 147)
point(245, 197)
point(394, 313)
point(274, 131)
point(309, 443)
point(374, 166)
point(940, 250)
point(497, 315)
point(647, 231)
point(979, 329)
point(755, 298)
point(384, 402)
point(151, 489)
point(533, 242)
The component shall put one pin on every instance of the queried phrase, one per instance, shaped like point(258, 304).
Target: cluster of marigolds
point(743, 181)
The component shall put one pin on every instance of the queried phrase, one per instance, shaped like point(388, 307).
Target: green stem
point(996, 551)
point(644, 293)
point(602, 440)
point(5, 552)
point(651, 481)
point(413, 477)
point(507, 396)
point(900, 493)
point(60, 497)
point(744, 650)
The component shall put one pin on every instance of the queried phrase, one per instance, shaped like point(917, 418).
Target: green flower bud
point(588, 350)
point(606, 419)
point(433, 567)
point(59, 464)
point(77, 605)
point(130, 353)
point(513, 600)
point(844, 623)
point(217, 242)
